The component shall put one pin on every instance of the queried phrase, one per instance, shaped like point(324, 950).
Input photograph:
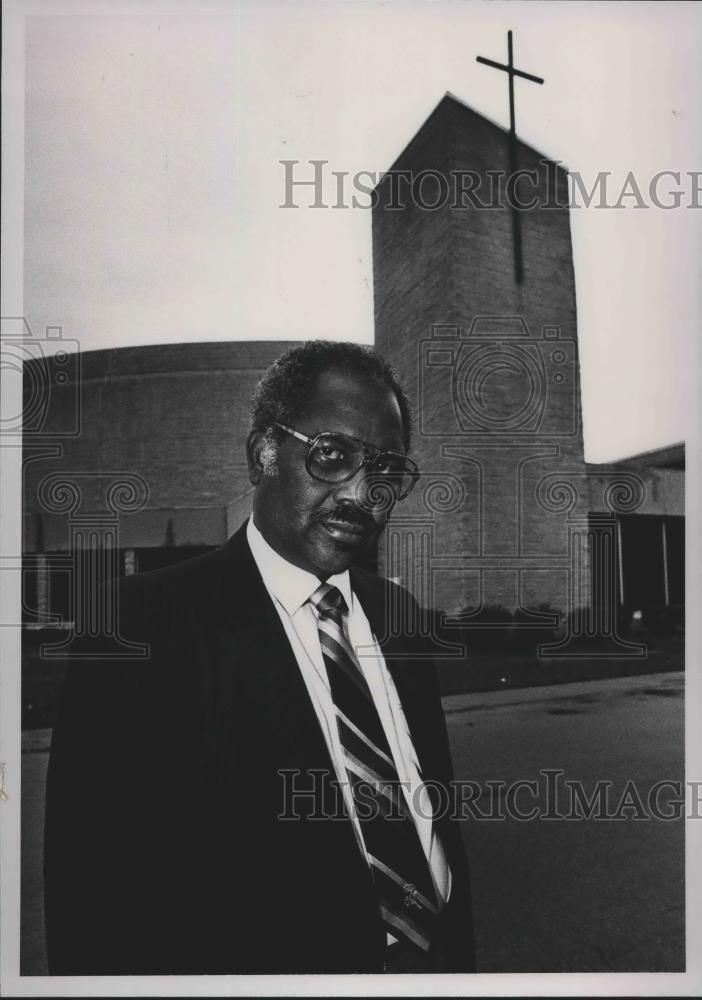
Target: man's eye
point(387, 466)
point(330, 453)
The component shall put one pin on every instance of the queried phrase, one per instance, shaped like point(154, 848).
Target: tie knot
point(329, 601)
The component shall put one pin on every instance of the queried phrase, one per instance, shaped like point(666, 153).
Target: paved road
point(556, 895)
point(550, 895)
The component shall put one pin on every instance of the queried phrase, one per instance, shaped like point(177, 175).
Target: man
point(256, 796)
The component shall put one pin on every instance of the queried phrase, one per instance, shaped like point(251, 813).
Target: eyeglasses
point(333, 457)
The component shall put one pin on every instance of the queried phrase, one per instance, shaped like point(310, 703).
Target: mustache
point(350, 515)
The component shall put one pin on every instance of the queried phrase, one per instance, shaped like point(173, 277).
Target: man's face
point(325, 527)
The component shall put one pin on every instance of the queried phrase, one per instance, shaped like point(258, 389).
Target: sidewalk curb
point(486, 700)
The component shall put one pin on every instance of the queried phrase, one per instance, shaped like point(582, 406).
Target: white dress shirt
point(290, 587)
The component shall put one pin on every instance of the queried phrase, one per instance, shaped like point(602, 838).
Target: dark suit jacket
point(164, 852)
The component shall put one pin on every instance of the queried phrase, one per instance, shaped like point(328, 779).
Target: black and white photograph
point(349, 534)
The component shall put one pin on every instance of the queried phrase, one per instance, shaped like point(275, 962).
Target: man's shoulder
point(381, 588)
point(175, 575)
point(392, 610)
point(198, 585)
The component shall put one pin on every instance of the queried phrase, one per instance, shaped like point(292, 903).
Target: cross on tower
point(509, 68)
point(516, 218)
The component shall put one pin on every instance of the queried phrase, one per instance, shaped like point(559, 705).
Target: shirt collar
point(289, 584)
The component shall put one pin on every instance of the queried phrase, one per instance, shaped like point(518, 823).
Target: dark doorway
point(651, 546)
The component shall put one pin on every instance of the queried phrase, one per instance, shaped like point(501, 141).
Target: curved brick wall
point(176, 415)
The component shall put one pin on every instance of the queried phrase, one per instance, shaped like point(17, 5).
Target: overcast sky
point(153, 181)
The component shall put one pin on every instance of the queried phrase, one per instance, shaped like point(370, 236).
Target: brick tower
point(475, 306)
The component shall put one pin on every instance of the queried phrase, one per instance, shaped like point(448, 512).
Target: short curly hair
point(286, 386)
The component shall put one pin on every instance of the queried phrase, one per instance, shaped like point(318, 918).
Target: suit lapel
point(406, 673)
point(415, 680)
point(270, 686)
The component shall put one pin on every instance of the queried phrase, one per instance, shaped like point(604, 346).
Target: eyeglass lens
point(333, 458)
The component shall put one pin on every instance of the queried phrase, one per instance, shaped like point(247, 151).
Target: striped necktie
point(407, 900)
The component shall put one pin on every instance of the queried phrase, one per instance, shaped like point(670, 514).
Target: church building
point(139, 450)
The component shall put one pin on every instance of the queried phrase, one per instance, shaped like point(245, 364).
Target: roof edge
point(464, 104)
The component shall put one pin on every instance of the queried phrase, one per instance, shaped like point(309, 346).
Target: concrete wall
point(637, 490)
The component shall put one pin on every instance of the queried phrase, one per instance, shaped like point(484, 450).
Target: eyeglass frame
point(368, 457)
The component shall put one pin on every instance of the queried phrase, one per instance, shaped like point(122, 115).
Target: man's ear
point(254, 444)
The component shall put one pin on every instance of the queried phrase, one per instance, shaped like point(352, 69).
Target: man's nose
point(364, 490)
point(352, 490)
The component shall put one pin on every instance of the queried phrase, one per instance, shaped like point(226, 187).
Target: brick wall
point(492, 368)
point(174, 415)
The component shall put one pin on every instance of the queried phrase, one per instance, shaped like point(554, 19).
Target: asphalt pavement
point(559, 892)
